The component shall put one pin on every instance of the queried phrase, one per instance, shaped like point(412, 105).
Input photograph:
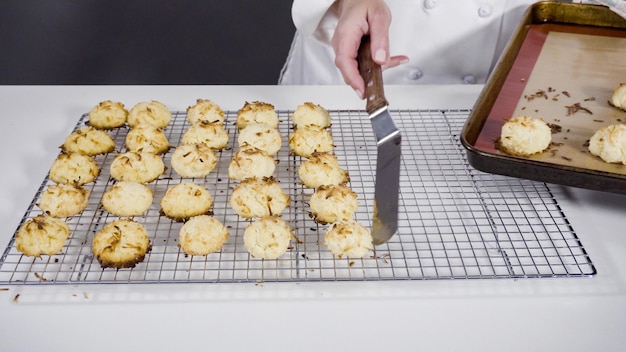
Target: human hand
point(356, 19)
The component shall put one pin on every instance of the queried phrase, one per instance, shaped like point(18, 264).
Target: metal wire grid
point(454, 221)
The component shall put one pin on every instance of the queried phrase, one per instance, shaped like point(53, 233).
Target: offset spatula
point(388, 141)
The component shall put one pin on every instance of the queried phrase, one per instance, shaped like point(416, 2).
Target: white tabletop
point(568, 314)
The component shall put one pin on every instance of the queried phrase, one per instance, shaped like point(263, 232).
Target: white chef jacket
point(447, 41)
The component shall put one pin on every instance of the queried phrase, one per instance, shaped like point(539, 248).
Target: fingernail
point(380, 56)
point(359, 93)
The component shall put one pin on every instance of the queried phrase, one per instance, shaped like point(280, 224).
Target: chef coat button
point(415, 74)
point(430, 4)
point(469, 79)
point(484, 10)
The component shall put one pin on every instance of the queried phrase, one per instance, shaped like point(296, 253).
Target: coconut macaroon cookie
point(186, 200)
point(333, 203)
point(248, 162)
point(261, 136)
point(127, 198)
point(74, 168)
point(524, 136)
point(347, 238)
point(137, 166)
point(322, 169)
point(41, 235)
point(257, 197)
point(193, 160)
point(147, 138)
point(311, 115)
point(257, 112)
point(89, 141)
point(267, 238)
point(152, 113)
point(64, 200)
point(212, 134)
point(205, 111)
point(121, 244)
point(305, 141)
point(108, 115)
point(201, 235)
point(618, 99)
point(609, 143)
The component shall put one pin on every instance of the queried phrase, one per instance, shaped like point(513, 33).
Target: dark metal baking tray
point(560, 55)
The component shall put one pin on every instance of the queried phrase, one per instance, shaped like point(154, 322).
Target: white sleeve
point(308, 14)
point(618, 6)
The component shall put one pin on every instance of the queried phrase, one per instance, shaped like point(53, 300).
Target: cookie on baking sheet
point(609, 143)
point(212, 134)
point(257, 197)
point(267, 238)
point(347, 238)
point(249, 162)
point(322, 169)
point(204, 110)
point(193, 160)
point(333, 203)
point(152, 113)
point(186, 200)
point(74, 168)
point(261, 136)
point(311, 115)
point(147, 138)
point(305, 141)
point(201, 235)
point(63, 200)
point(127, 198)
point(42, 235)
point(108, 115)
point(137, 166)
point(524, 136)
point(618, 99)
point(89, 141)
point(257, 112)
point(121, 244)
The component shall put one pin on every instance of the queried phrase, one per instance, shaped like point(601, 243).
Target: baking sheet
point(564, 73)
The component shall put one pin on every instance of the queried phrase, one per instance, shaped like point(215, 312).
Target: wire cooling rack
point(454, 222)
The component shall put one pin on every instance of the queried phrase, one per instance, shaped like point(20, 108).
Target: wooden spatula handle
point(372, 76)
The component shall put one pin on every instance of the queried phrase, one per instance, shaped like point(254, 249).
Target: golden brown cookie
point(212, 134)
point(147, 138)
point(121, 244)
point(305, 141)
point(262, 137)
point(193, 160)
point(347, 238)
point(249, 162)
point(74, 168)
point(42, 235)
point(333, 203)
point(186, 200)
point(135, 166)
point(89, 141)
point(524, 136)
point(609, 143)
point(152, 113)
point(204, 110)
point(322, 169)
point(201, 235)
point(63, 200)
point(108, 115)
point(311, 115)
point(257, 112)
point(257, 197)
point(267, 238)
point(127, 198)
